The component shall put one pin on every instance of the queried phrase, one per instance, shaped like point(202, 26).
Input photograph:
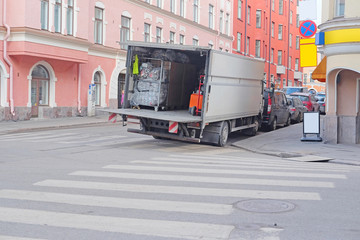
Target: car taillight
point(269, 105)
point(292, 109)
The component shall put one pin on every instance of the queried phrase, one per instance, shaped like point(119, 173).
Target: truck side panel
point(234, 87)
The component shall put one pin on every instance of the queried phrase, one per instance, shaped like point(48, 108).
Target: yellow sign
point(308, 53)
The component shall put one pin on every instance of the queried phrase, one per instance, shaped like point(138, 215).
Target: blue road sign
point(307, 29)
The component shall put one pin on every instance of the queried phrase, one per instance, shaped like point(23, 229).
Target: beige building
point(341, 46)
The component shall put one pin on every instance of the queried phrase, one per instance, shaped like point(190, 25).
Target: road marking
point(222, 171)
point(279, 162)
point(99, 201)
point(186, 178)
point(216, 192)
point(219, 164)
point(167, 229)
point(4, 237)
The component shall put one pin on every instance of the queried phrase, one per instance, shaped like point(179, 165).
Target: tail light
point(269, 105)
point(292, 109)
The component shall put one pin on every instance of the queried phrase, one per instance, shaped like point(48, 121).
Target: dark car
point(290, 90)
point(297, 109)
point(276, 110)
point(321, 100)
point(309, 101)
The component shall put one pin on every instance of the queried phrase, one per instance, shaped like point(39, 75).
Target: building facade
point(340, 29)
point(52, 50)
point(269, 30)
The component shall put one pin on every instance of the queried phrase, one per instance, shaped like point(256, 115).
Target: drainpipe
point(245, 39)
point(270, 23)
point(79, 87)
point(288, 48)
point(7, 60)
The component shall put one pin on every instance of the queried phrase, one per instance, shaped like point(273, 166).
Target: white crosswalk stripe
point(197, 191)
point(160, 228)
point(87, 200)
point(226, 171)
point(152, 185)
point(224, 180)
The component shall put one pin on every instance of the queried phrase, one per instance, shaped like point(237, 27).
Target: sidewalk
point(285, 142)
point(33, 124)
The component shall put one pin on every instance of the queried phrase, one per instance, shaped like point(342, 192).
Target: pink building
point(51, 50)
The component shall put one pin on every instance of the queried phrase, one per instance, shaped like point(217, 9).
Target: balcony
point(280, 69)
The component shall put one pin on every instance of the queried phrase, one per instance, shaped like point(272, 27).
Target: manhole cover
point(265, 206)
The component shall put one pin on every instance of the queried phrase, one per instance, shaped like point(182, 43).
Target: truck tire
point(223, 134)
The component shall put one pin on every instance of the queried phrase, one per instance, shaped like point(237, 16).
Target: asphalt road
point(104, 183)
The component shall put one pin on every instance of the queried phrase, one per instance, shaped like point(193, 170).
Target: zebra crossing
point(181, 185)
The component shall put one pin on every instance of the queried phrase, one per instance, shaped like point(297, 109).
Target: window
point(182, 8)
point(221, 21)
point(258, 18)
point(272, 29)
point(147, 32)
point(280, 57)
point(70, 18)
point(97, 82)
point(290, 40)
point(281, 7)
point(339, 8)
point(172, 6)
point(57, 16)
point(248, 14)
point(272, 56)
point(195, 42)
point(196, 10)
point(296, 64)
point(172, 37)
point(238, 40)
point(297, 20)
point(44, 18)
point(280, 34)
point(297, 42)
point(227, 24)
point(147, 1)
point(273, 5)
point(291, 17)
point(211, 16)
point(181, 39)
point(289, 63)
point(239, 12)
point(125, 30)
point(159, 3)
point(98, 25)
point(158, 34)
point(248, 46)
point(257, 48)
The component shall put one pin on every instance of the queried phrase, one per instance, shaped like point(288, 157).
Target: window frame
point(280, 32)
point(258, 48)
point(125, 30)
point(158, 34)
point(258, 18)
point(147, 32)
point(99, 22)
point(44, 15)
point(238, 41)
point(211, 16)
point(70, 11)
point(339, 8)
point(196, 11)
point(280, 58)
point(57, 16)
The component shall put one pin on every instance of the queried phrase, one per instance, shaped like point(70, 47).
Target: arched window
point(97, 82)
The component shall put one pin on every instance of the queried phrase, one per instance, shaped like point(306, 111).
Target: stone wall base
point(342, 129)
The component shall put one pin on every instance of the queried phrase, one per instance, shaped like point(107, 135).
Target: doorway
point(121, 87)
point(39, 89)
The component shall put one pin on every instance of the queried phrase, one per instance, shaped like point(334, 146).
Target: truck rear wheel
point(223, 134)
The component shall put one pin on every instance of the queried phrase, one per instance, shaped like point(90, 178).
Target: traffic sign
point(307, 29)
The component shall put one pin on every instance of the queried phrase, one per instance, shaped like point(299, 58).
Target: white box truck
point(191, 93)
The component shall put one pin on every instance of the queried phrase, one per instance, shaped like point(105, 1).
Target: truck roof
point(166, 46)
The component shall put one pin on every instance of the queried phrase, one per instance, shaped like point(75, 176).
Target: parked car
point(290, 90)
point(321, 100)
point(309, 101)
point(297, 109)
point(276, 110)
